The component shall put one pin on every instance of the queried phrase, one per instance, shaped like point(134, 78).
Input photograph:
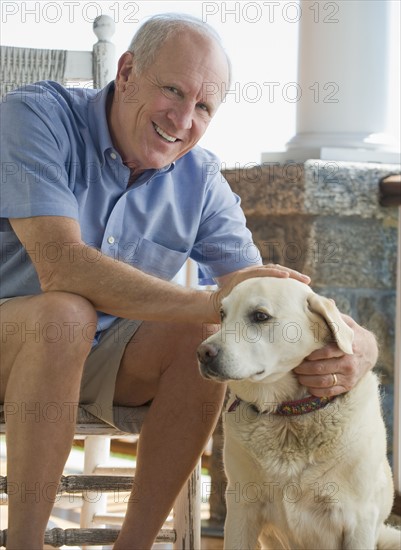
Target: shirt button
point(111, 239)
point(113, 155)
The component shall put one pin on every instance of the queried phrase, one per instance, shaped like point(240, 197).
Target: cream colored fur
point(317, 481)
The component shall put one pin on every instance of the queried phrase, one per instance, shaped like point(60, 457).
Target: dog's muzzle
point(208, 356)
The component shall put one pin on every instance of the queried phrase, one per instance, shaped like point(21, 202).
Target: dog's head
point(268, 326)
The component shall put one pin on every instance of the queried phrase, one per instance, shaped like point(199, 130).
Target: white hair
point(152, 34)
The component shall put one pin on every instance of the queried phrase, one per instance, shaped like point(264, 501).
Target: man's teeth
point(164, 135)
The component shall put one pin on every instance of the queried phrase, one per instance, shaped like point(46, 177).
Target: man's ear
point(342, 333)
point(125, 67)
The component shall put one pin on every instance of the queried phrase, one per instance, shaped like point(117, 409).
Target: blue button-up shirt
point(58, 159)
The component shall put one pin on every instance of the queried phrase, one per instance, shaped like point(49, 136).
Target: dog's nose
point(207, 353)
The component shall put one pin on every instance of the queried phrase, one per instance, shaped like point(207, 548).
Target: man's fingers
point(320, 372)
point(272, 270)
point(331, 351)
point(324, 385)
point(291, 272)
point(328, 377)
point(268, 270)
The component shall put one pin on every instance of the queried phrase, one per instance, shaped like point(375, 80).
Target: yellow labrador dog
point(303, 473)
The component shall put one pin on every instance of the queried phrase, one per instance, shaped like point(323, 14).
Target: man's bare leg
point(45, 340)
point(160, 363)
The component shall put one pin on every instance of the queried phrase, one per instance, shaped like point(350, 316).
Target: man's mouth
point(163, 134)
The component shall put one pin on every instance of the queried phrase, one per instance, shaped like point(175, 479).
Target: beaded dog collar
point(290, 408)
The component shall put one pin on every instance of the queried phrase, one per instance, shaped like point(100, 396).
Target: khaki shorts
point(101, 368)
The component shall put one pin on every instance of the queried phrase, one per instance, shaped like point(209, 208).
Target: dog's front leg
point(363, 535)
point(243, 526)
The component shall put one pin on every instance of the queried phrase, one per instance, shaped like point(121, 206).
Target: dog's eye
point(222, 315)
point(260, 317)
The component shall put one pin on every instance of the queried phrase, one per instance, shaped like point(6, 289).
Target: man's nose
point(182, 116)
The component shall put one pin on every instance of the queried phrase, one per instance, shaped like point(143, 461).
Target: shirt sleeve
point(34, 149)
point(224, 244)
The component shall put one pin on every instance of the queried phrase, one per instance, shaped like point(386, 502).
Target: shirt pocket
point(158, 260)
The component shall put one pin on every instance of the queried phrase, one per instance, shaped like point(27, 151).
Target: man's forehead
point(199, 58)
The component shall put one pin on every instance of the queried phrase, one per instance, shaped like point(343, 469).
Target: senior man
point(105, 194)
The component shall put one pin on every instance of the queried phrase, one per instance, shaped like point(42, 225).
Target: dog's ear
point(342, 333)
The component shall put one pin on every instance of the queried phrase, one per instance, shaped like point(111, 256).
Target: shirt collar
point(99, 128)
point(97, 119)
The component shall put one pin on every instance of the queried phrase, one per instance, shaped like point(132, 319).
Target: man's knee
point(51, 318)
point(66, 317)
point(56, 329)
point(64, 306)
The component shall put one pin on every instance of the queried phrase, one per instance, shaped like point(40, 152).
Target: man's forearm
point(117, 288)
point(122, 290)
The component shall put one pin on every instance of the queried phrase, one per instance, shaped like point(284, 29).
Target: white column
point(104, 56)
point(343, 78)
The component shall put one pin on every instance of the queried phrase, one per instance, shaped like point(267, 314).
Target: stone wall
point(324, 219)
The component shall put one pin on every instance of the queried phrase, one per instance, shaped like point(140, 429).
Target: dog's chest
point(283, 447)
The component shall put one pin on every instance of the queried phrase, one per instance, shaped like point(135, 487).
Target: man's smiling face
point(159, 115)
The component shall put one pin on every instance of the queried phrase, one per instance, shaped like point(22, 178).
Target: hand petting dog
point(317, 370)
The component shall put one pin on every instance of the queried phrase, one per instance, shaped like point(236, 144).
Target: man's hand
point(317, 371)
point(228, 282)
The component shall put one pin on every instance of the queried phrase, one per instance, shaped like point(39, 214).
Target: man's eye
point(203, 107)
point(260, 317)
point(171, 89)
